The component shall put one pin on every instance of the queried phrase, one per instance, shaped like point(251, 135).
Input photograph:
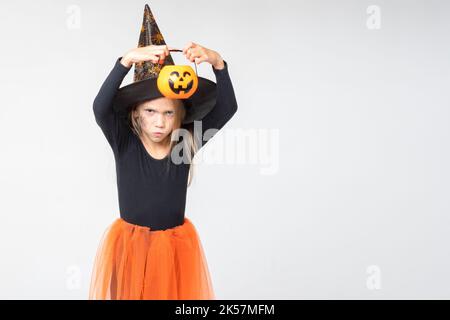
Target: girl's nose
point(159, 120)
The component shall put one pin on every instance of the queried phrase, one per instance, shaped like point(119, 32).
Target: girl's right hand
point(153, 53)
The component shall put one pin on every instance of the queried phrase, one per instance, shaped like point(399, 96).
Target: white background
point(358, 206)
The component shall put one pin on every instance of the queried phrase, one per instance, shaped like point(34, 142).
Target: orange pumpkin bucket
point(177, 81)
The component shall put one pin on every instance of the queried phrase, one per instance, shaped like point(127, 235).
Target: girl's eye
point(170, 113)
point(149, 110)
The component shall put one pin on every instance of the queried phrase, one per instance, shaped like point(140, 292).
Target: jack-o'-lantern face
point(177, 82)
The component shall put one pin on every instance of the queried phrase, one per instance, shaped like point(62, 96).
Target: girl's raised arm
point(226, 105)
point(112, 124)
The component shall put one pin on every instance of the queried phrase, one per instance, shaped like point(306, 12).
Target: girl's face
point(159, 117)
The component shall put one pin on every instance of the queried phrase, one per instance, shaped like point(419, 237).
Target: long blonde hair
point(190, 145)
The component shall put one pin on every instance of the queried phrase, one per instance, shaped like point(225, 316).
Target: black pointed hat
point(146, 74)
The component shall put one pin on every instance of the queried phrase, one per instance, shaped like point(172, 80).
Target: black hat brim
point(197, 106)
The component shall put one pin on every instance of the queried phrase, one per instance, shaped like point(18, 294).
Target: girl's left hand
point(198, 54)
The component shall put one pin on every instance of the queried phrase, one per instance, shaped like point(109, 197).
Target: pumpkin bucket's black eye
point(186, 73)
point(175, 73)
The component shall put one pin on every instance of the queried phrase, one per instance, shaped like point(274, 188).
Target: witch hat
point(146, 74)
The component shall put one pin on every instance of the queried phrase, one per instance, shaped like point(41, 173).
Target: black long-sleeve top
point(148, 194)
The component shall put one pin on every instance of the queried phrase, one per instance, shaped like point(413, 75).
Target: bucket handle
point(178, 50)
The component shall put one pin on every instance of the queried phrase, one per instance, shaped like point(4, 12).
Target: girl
point(153, 251)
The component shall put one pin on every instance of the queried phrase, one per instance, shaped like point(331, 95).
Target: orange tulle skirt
point(135, 263)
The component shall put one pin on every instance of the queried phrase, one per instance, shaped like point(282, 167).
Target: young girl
point(153, 251)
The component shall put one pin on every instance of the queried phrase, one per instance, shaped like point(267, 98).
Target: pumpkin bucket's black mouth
point(180, 88)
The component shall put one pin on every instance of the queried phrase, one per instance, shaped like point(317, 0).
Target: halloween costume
point(153, 251)
point(146, 73)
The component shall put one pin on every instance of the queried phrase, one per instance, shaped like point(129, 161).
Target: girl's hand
point(154, 53)
point(198, 54)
